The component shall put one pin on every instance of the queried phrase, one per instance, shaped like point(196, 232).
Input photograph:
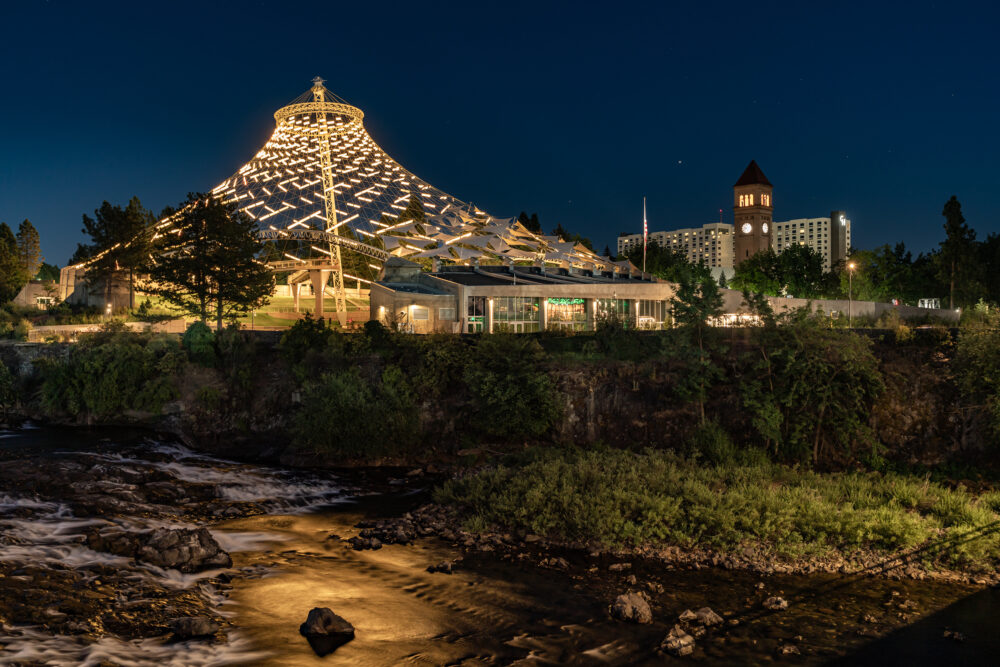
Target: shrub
point(8, 395)
point(512, 396)
point(620, 498)
point(106, 374)
point(809, 389)
point(711, 442)
point(236, 352)
point(306, 335)
point(345, 414)
point(977, 365)
point(199, 342)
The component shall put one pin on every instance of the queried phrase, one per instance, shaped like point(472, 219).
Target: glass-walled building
point(566, 313)
point(516, 314)
point(653, 314)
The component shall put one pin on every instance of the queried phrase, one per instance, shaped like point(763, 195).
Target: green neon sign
point(565, 302)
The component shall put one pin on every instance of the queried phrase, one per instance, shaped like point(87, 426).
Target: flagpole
point(645, 234)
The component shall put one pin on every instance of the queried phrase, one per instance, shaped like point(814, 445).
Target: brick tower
point(752, 209)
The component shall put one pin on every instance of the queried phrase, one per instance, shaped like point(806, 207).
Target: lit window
point(420, 313)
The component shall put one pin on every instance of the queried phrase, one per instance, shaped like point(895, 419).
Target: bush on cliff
point(109, 373)
point(8, 397)
point(809, 391)
point(977, 362)
point(344, 413)
point(512, 395)
point(199, 342)
point(305, 336)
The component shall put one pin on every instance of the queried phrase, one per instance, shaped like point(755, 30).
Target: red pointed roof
point(752, 175)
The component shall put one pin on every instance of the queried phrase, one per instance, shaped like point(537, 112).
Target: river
point(64, 601)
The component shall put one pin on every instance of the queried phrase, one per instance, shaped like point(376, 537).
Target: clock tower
point(752, 209)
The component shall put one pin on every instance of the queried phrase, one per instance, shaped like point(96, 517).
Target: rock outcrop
point(185, 549)
point(326, 631)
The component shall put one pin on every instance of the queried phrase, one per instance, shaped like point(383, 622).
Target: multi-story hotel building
point(830, 237)
point(715, 244)
point(710, 244)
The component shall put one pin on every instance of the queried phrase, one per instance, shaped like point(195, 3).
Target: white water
point(37, 532)
point(35, 646)
point(275, 488)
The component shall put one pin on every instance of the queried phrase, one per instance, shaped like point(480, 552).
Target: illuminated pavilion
point(321, 187)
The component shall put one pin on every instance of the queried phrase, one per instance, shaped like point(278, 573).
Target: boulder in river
point(445, 566)
point(193, 626)
point(707, 617)
point(678, 642)
point(776, 604)
point(325, 631)
point(632, 607)
point(185, 549)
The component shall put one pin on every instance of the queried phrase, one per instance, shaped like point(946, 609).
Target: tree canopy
point(798, 272)
point(567, 235)
point(211, 265)
point(663, 262)
point(956, 266)
point(120, 243)
point(530, 223)
point(29, 248)
point(13, 275)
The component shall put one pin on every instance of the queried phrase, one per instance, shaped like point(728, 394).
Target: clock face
point(747, 228)
point(763, 228)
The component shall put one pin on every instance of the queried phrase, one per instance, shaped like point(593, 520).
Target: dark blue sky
point(572, 110)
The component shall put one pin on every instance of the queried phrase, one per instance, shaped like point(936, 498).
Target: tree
point(210, 264)
point(567, 235)
point(120, 244)
point(956, 265)
point(760, 273)
point(696, 301)
point(48, 272)
point(607, 252)
point(663, 262)
point(530, 223)
point(536, 226)
point(29, 248)
point(801, 270)
point(989, 259)
point(12, 273)
point(798, 271)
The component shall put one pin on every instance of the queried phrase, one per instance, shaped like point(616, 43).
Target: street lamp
point(850, 294)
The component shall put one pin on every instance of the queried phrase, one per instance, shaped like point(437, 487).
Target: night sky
point(574, 111)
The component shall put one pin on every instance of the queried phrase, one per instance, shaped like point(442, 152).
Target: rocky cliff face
point(919, 418)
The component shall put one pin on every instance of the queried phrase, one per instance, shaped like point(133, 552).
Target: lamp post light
point(850, 294)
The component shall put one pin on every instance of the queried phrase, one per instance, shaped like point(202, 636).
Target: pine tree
point(534, 225)
point(530, 223)
point(956, 256)
point(120, 244)
point(696, 302)
point(12, 274)
point(210, 266)
point(29, 248)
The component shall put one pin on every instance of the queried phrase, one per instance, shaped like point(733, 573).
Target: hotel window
point(420, 313)
point(446, 313)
